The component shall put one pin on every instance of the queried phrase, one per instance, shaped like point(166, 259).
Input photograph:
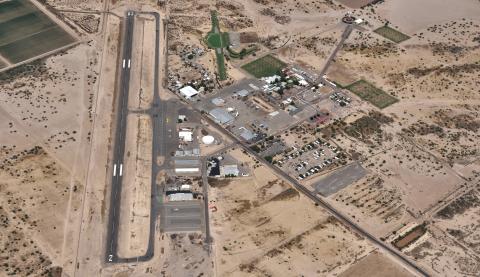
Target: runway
point(119, 146)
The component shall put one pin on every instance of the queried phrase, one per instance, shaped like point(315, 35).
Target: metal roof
point(221, 116)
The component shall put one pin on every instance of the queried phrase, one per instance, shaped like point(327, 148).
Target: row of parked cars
point(340, 99)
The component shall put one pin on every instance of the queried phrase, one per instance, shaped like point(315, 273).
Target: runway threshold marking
point(123, 63)
point(114, 169)
point(121, 169)
point(128, 63)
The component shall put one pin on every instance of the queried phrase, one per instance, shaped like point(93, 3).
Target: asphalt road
point(313, 196)
point(119, 147)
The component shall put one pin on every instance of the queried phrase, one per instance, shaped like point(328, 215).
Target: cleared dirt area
point(412, 16)
point(142, 68)
point(41, 110)
point(135, 210)
point(255, 233)
point(460, 219)
point(444, 256)
point(355, 4)
point(35, 202)
point(375, 265)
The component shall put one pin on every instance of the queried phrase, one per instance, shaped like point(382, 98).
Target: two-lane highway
point(119, 146)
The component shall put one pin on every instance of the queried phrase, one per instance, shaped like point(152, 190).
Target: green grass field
point(217, 40)
point(264, 66)
point(372, 94)
point(26, 32)
point(391, 34)
point(42, 42)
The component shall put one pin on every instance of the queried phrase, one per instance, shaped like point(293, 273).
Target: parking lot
point(181, 216)
point(248, 115)
point(307, 160)
point(339, 179)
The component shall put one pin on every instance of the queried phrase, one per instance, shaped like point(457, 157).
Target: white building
point(188, 92)
point(185, 135)
point(180, 197)
point(229, 170)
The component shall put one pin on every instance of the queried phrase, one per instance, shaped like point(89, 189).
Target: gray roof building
point(221, 116)
point(229, 170)
point(218, 101)
point(247, 135)
point(242, 93)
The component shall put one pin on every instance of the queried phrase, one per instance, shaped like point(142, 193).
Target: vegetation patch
point(372, 94)
point(459, 206)
point(264, 66)
point(217, 40)
point(410, 237)
point(286, 195)
point(391, 34)
point(218, 183)
point(367, 125)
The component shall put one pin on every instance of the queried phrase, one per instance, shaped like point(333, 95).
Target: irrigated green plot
point(372, 94)
point(26, 32)
point(42, 42)
point(23, 26)
point(217, 40)
point(391, 34)
point(12, 9)
point(264, 66)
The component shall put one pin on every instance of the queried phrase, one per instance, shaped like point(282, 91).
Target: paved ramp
point(339, 179)
point(181, 216)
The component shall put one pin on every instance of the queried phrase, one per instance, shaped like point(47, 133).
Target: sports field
point(26, 32)
point(372, 94)
point(391, 34)
point(264, 66)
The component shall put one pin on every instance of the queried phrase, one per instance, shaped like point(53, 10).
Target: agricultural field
point(391, 34)
point(26, 32)
point(372, 94)
point(264, 66)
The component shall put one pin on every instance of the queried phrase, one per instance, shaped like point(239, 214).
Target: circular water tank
point(208, 139)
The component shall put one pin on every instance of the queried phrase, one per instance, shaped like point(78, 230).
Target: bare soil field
point(460, 219)
point(141, 84)
point(375, 265)
point(43, 112)
point(444, 256)
point(255, 234)
point(374, 204)
point(136, 194)
point(35, 201)
point(413, 16)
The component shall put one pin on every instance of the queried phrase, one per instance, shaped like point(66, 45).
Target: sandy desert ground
point(422, 161)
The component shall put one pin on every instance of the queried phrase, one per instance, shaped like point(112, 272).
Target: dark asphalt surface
point(119, 148)
point(313, 196)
